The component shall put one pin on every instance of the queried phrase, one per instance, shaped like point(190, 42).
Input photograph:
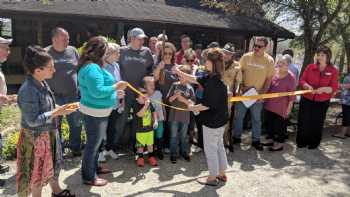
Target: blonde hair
point(112, 48)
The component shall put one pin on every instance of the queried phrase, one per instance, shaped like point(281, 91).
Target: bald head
point(60, 39)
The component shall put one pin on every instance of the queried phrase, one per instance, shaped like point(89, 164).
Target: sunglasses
point(258, 46)
point(190, 61)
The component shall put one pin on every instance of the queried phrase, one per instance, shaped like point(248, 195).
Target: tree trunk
point(347, 52)
point(341, 62)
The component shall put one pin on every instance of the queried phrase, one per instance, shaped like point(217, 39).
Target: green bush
point(65, 133)
point(10, 122)
point(9, 147)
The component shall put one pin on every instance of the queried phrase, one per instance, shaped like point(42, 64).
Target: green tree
point(316, 17)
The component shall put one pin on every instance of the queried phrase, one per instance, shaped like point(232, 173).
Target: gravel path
point(294, 172)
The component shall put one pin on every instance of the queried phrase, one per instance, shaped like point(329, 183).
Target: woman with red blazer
point(322, 77)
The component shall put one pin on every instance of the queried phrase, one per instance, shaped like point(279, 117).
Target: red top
point(315, 78)
point(179, 56)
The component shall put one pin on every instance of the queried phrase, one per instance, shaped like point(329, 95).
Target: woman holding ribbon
point(278, 109)
point(213, 115)
point(322, 78)
point(98, 98)
point(39, 152)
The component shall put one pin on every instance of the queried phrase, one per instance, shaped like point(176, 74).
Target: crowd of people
point(197, 83)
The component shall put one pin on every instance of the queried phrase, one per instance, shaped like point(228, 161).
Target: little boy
point(181, 94)
point(149, 85)
point(146, 121)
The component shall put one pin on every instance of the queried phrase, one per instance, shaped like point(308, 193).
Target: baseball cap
point(229, 47)
point(138, 33)
point(213, 45)
point(5, 41)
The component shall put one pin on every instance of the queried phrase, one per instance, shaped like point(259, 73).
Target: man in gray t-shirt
point(64, 83)
point(135, 62)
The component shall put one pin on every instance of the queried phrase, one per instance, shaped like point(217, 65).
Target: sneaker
point(186, 158)
point(160, 154)
point(166, 150)
point(4, 168)
point(72, 154)
point(173, 159)
point(258, 146)
point(236, 140)
point(101, 157)
point(152, 161)
point(140, 162)
point(112, 154)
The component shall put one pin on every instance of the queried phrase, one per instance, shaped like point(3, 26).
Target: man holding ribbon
point(257, 70)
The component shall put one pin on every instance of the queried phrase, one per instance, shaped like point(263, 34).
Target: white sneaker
point(112, 154)
point(166, 150)
point(101, 157)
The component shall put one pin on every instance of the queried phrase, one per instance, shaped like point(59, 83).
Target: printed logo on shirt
point(328, 74)
point(256, 65)
point(64, 61)
point(138, 59)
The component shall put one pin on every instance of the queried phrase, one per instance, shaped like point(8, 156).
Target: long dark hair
point(93, 51)
point(168, 45)
point(35, 57)
point(216, 56)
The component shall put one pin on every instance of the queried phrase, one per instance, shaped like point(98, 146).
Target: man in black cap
point(4, 53)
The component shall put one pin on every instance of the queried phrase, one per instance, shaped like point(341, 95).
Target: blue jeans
point(73, 122)
point(255, 113)
point(96, 128)
point(178, 135)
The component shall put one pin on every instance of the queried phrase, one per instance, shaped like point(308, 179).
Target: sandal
point(222, 178)
point(204, 181)
point(64, 193)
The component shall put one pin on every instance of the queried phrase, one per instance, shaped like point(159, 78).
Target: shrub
point(10, 122)
point(9, 146)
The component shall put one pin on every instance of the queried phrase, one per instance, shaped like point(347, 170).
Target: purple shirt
point(279, 105)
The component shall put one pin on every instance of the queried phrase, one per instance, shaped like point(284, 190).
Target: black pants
point(346, 115)
point(310, 122)
point(276, 126)
point(114, 131)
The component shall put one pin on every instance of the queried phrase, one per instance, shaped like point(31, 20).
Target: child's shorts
point(144, 138)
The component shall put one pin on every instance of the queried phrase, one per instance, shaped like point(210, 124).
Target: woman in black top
point(213, 113)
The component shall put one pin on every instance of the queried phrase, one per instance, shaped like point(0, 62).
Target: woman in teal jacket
point(98, 97)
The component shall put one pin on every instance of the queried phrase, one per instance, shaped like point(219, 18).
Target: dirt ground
point(293, 172)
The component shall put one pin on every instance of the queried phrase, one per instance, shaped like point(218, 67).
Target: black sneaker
point(187, 158)
point(258, 146)
point(236, 140)
point(160, 154)
point(4, 168)
point(173, 159)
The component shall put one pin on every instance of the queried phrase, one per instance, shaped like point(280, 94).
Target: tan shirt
point(256, 69)
point(232, 76)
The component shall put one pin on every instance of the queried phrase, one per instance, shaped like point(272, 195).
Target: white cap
point(5, 41)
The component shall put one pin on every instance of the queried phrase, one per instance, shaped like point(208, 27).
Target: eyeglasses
point(168, 54)
point(190, 61)
point(258, 46)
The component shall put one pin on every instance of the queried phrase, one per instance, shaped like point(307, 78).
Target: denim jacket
point(36, 103)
